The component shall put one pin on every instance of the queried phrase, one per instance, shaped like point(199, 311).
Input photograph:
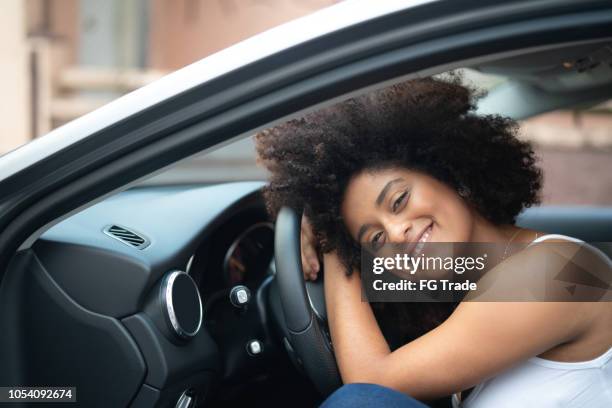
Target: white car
point(124, 294)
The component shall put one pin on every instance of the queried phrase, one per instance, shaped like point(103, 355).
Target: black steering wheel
point(307, 328)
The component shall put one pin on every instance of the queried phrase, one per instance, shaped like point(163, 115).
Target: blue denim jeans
point(369, 395)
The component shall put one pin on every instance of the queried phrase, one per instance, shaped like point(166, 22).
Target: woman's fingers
point(310, 261)
point(306, 268)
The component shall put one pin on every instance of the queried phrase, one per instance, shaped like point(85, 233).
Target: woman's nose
point(398, 232)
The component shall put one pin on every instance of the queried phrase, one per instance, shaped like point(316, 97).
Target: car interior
point(106, 296)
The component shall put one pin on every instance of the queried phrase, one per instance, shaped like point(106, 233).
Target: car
point(189, 295)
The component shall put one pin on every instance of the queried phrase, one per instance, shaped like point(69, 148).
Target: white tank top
point(541, 383)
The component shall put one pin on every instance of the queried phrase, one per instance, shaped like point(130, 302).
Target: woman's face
point(398, 205)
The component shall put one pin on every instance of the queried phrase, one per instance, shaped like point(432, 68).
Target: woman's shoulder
point(518, 303)
point(543, 236)
point(550, 268)
point(590, 249)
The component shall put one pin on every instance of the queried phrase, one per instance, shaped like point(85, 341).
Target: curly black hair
point(426, 124)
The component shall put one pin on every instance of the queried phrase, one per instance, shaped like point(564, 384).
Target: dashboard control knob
point(240, 296)
point(254, 347)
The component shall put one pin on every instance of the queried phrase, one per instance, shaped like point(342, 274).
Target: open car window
point(574, 145)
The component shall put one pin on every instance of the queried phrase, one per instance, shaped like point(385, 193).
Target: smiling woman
point(416, 142)
point(410, 164)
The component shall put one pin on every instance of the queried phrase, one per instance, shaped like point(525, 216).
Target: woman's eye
point(377, 238)
point(399, 200)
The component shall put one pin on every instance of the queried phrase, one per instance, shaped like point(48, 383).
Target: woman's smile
point(422, 239)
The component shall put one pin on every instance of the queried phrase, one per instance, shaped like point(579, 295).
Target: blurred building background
point(60, 59)
point(63, 58)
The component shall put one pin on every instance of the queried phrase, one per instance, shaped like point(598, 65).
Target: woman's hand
point(310, 260)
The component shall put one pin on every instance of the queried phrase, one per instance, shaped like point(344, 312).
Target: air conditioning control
point(176, 306)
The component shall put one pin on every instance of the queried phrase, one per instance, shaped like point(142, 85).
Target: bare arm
point(478, 341)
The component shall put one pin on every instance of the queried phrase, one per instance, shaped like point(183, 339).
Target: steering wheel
point(307, 328)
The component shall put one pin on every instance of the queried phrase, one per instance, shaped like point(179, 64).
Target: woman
point(414, 163)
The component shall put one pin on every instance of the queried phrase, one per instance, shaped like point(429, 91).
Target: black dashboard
point(92, 290)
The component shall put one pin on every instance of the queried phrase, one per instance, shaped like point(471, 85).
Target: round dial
point(182, 304)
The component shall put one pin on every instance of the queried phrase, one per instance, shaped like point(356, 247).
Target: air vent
point(126, 236)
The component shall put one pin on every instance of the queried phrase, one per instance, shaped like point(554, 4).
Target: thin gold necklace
point(514, 236)
point(508, 243)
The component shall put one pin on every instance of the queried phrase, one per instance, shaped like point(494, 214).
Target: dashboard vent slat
point(126, 236)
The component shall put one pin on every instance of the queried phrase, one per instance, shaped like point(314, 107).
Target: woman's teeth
point(421, 243)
